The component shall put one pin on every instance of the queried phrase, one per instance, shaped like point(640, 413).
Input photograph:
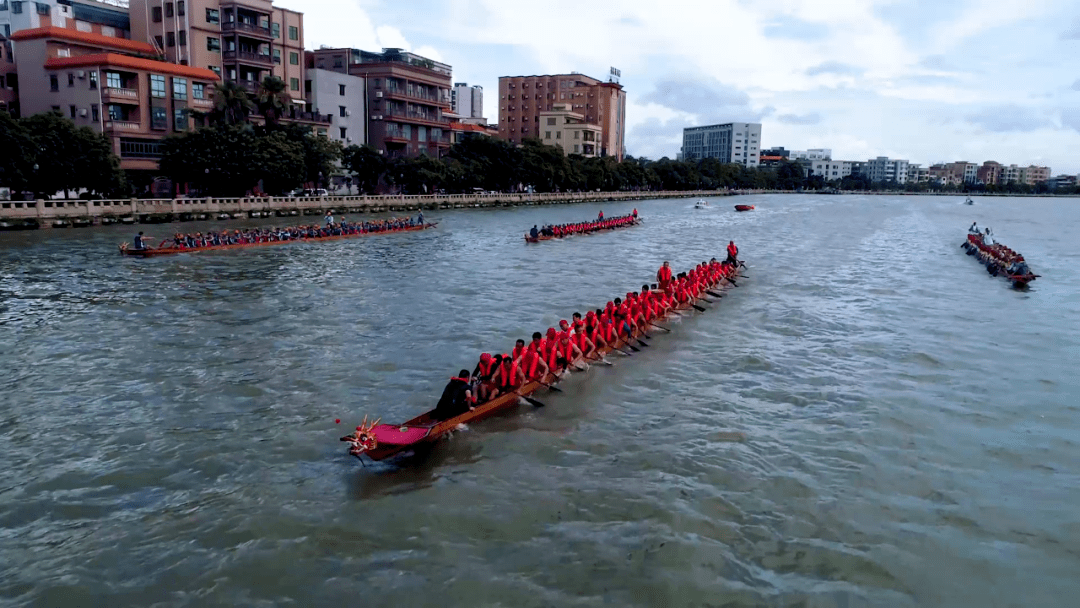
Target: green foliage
point(366, 164)
point(272, 99)
point(19, 154)
point(66, 157)
point(232, 106)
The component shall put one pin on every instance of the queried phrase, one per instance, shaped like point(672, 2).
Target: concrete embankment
point(66, 213)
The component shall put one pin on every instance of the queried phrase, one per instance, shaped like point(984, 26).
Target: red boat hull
point(744, 207)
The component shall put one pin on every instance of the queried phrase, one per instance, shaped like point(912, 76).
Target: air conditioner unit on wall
point(83, 112)
point(378, 93)
point(81, 74)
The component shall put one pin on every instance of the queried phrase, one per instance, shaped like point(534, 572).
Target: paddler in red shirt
point(663, 276)
point(732, 253)
point(483, 372)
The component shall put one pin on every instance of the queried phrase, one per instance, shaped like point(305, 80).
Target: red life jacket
point(664, 274)
point(485, 370)
point(517, 352)
point(509, 374)
point(530, 363)
point(732, 250)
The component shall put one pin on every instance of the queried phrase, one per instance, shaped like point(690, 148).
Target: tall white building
point(811, 154)
point(342, 96)
point(467, 101)
point(733, 142)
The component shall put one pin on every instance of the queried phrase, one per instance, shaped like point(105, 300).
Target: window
point(421, 133)
point(198, 90)
point(71, 79)
point(16, 6)
point(277, 55)
point(180, 119)
point(180, 8)
point(169, 10)
point(294, 32)
point(342, 111)
point(547, 134)
point(116, 112)
point(95, 113)
point(113, 80)
point(275, 29)
point(551, 121)
point(155, 14)
point(74, 111)
point(307, 86)
point(157, 85)
point(558, 135)
point(54, 83)
point(213, 44)
point(93, 79)
point(341, 89)
point(42, 8)
point(213, 16)
point(294, 58)
point(343, 132)
point(183, 37)
point(159, 118)
point(159, 41)
point(179, 88)
point(170, 39)
point(294, 84)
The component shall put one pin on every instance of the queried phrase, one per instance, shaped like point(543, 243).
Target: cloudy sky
point(924, 80)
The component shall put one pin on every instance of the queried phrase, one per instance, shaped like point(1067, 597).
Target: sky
point(923, 80)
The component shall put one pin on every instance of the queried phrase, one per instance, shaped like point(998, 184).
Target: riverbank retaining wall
point(46, 213)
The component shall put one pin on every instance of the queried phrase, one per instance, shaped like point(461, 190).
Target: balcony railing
point(122, 125)
point(251, 28)
point(403, 93)
point(202, 103)
point(414, 116)
point(247, 56)
point(249, 85)
point(113, 94)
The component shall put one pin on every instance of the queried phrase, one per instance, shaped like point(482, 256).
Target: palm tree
point(273, 99)
point(232, 106)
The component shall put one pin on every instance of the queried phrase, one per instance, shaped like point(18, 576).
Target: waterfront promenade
point(49, 213)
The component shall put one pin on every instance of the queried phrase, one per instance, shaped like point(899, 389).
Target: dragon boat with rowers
point(998, 259)
point(535, 235)
point(262, 237)
point(502, 381)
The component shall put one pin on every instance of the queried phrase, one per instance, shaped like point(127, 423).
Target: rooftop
point(131, 63)
point(87, 38)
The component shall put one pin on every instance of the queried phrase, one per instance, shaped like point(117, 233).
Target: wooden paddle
point(713, 293)
point(534, 402)
point(659, 327)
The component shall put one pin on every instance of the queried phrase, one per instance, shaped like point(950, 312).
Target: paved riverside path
point(46, 212)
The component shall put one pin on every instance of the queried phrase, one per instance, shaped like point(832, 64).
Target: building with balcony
point(569, 130)
point(243, 41)
point(883, 169)
point(466, 101)
point(829, 169)
point(733, 142)
point(342, 96)
point(108, 84)
point(408, 97)
point(523, 98)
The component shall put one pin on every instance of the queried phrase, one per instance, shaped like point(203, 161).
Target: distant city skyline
point(920, 80)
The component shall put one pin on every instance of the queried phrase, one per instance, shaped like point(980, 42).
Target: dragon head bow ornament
point(362, 440)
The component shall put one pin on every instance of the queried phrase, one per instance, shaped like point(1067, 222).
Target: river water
point(869, 419)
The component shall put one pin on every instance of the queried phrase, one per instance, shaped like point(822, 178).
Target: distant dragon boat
point(381, 441)
point(591, 227)
point(999, 260)
point(126, 249)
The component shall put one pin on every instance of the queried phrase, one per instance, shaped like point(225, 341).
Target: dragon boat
point(593, 230)
point(126, 249)
point(999, 260)
point(381, 441)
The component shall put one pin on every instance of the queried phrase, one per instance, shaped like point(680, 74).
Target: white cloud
point(918, 80)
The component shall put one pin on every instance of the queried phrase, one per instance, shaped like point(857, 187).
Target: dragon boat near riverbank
point(265, 237)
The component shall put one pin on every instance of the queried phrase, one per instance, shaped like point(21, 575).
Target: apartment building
point(989, 173)
point(1032, 175)
point(467, 101)
point(243, 41)
point(830, 169)
point(108, 84)
point(811, 154)
point(345, 98)
point(917, 174)
point(523, 98)
point(883, 169)
point(734, 142)
point(408, 97)
point(569, 130)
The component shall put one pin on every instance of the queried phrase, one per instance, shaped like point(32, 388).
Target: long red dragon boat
point(126, 249)
point(999, 260)
point(381, 441)
point(588, 228)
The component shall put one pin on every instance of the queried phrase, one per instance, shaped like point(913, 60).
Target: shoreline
point(44, 214)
